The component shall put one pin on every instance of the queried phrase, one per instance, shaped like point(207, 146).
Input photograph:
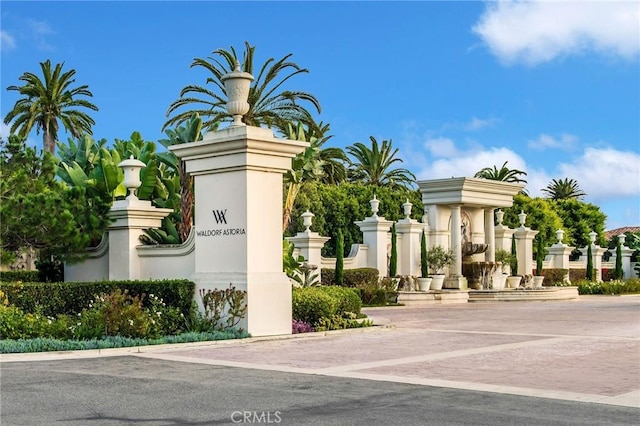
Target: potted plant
point(504, 258)
point(438, 258)
point(514, 280)
point(424, 282)
point(539, 278)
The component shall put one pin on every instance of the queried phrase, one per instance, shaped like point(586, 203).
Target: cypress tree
point(424, 262)
point(514, 256)
point(589, 263)
point(619, 274)
point(539, 256)
point(339, 276)
point(393, 262)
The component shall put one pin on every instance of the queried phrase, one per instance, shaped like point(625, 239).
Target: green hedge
point(71, 298)
point(312, 304)
point(356, 278)
point(552, 276)
point(24, 276)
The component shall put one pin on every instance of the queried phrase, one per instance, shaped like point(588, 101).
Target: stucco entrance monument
point(238, 212)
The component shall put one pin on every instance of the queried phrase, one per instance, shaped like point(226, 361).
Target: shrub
point(71, 298)
point(310, 304)
point(301, 327)
point(576, 275)
point(24, 276)
point(348, 299)
point(358, 278)
point(554, 276)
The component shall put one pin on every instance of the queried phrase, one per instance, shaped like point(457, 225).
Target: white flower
point(49, 321)
point(130, 322)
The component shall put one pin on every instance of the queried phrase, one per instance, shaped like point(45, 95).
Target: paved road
point(538, 363)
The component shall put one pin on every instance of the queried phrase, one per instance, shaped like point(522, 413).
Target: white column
point(489, 235)
point(456, 241)
point(238, 191)
point(375, 232)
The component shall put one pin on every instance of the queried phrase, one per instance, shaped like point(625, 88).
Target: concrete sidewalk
point(585, 350)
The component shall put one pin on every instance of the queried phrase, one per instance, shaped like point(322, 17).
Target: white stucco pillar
point(524, 240)
point(456, 267)
point(489, 235)
point(409, 247)
point(375, 232)
point(131, 216)
point(309, 245)
point(238, 213)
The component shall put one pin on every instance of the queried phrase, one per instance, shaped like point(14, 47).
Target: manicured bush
point(554, 276)
point(310, 304)
point(298, 327)
point(576, 275)
point(24, 276)
point(358, 278)
point(609, 287)
point(348, 298)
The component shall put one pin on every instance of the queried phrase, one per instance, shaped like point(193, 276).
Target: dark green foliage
point(393, 261)
point(579, 219)
point(540, 253)
point(326, 308)
point(357, 278)
point(339, 206)
point(310, 304)
point(70, 298)
point(424, 263)
point(618, 274)
point(540, 216)
point(40, 212)
point(590, 272)
point(514, 256)
point(24, 276)
point(553, 276)
point(339, 277)
point(348, 298)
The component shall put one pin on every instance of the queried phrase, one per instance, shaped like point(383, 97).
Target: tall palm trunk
point(186, 202)
point(292, 193)
point(48, 142)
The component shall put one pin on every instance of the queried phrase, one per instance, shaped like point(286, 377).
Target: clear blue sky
point(552, 88)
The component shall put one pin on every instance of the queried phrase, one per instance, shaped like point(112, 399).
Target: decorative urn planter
point(424, 284)
point(513, 281)
point(237, 85)
point(537, 281)
point(437, 280)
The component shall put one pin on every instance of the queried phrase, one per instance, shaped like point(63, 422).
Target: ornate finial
point(307, 217)
point(374, 206)
point(131, 169)
point(236, 85)
point(407, 209)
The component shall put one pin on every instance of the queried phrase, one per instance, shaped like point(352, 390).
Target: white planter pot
point(514, 281)
point(437, 281)
point(537, 281)
point(499, 280)
point(424, 283)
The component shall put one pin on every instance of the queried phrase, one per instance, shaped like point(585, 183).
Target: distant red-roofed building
point(626, 230)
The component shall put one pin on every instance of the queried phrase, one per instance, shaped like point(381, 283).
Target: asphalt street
point(130, 390)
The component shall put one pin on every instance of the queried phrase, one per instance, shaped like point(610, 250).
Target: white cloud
point(479, 123)
point(565, 141)
point(7, 42)
point(40, 32)
point(539, 31)
point(605, 173)
point(441, 147)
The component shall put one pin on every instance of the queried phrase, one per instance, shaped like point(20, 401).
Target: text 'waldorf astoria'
point(220, 216)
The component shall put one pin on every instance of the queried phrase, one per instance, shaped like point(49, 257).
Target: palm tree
point(563, 189)
point(190, 132)
point(373, 165)
point(503, 174)
point(46, 101)
point(267, 106)
point(334, 159)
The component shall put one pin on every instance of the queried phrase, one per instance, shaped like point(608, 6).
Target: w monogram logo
point(219, 215)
